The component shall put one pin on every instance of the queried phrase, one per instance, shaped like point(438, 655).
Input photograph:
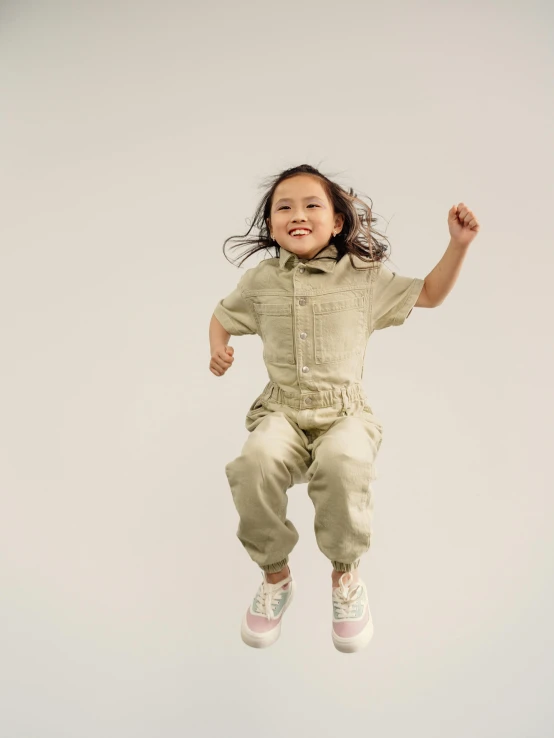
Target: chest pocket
point(339, 329)
point(275, 323)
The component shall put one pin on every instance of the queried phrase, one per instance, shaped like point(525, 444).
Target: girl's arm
point(221, 354)
point(219, 337)
point(463, 227)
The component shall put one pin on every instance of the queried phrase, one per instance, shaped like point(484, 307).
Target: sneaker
point(261, 625)
point(352, 623)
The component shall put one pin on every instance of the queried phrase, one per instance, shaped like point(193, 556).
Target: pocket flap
point(352, 303)
point(265, 308)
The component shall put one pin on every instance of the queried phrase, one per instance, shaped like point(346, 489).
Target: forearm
point(218, 335)
point(442, 278)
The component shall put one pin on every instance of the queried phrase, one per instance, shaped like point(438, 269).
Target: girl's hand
point(221, 360)
point(462, 224)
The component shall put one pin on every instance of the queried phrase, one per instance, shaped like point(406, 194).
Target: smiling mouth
point(301, 235)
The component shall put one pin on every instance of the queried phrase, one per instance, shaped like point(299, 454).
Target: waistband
point(340, 396)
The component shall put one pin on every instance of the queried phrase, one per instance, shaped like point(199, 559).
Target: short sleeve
point(393, 297)
point(235, 313)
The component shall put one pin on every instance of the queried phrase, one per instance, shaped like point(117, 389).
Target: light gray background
point(134, 138)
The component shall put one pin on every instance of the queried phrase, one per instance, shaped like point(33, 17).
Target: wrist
point(217, 345)
point(458, 244)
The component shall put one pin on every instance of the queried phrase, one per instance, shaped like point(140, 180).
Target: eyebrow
point(288, 199)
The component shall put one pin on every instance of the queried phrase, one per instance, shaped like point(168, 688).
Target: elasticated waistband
point(339, 396)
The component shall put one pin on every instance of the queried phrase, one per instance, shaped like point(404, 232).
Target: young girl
point(315, 305)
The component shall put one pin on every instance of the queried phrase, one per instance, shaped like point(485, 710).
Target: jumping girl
point(315, 303)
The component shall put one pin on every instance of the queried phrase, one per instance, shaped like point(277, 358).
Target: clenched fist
point(221, 360)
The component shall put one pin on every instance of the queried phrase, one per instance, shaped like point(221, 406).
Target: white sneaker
point(352, 623)
point(261, 625)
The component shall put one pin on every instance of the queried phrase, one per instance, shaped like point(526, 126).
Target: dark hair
point(356, 237)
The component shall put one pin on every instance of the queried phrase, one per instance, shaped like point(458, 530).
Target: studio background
point(134, 138)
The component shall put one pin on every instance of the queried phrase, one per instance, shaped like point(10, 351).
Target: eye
point(311, 205)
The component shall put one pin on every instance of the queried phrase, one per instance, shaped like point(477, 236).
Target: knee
point(255, 456)
point(339, 458)
point(343, 467)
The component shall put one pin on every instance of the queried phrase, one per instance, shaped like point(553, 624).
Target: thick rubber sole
point(351, 645)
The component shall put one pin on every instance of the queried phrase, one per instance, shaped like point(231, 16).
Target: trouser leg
point(339, 485)
point(273, 459)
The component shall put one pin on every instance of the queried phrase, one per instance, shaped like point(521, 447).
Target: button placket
point(302, 327)
point(302, 301)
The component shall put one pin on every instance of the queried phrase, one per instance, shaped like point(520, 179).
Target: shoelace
point(268, 596)
point(345, 598)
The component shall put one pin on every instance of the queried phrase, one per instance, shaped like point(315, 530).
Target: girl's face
point(300, 202)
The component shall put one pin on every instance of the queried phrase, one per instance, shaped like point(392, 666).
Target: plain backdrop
point(134, 139)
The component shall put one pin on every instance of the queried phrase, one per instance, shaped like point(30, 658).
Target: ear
point(339, 220)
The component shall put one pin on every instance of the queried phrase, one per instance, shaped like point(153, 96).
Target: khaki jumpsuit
point(312, 422)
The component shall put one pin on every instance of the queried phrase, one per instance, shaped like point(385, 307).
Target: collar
point(325, 260)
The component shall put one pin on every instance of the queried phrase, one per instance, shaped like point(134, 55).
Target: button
point(308, 400)
point(302, 301)
point(303, 335)
point(305, 369)
point(301, 269)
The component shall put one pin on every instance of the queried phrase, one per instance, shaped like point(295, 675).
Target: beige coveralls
point(312, 423)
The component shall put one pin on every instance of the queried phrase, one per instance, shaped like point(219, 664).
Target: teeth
point(294, 233)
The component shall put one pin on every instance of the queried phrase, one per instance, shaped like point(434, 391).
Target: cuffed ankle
point(277, 566)
point(338, 566)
